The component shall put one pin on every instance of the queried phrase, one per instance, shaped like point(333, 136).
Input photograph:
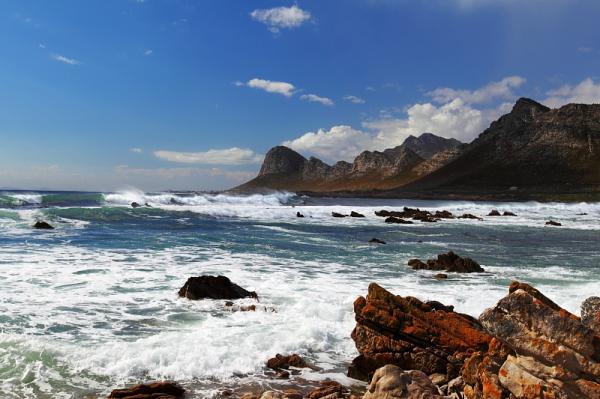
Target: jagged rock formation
point(284, 168)
point(213, 287)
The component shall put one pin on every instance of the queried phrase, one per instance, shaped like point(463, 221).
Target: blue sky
point(158, 94)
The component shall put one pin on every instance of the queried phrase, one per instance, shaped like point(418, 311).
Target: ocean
point(93, 304)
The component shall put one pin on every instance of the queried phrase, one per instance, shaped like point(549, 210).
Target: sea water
point(93, 305)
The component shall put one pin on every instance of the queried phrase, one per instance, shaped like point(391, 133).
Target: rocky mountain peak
point(282, 160)
point(428, 144)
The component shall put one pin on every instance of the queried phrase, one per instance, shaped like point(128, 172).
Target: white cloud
point(283, 88)
point(486, 94)
point(337, 143)
point(354, 99)
point(41, 45)
point(229, 156)
point(136, 150)
point(148, 52)
point(313, 98)
point(175, 173)
point(584, 49)
point(585, 92)
point(63, 59)
point(281, 17)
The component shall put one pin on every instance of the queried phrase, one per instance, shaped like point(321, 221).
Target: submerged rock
point(507, 213)
point(393, 219)
point(391, 382)
point(494, 212)
point(356, 215)
point(449, 262)
point(441, 276)
point(155, 390)
point(553, 223)
point(469, 216)
point(42, 225)
point(285, 362)
point(213, 287)
point(412, 335)
point(376, 241)
point(554, 354)
point(299, 215)
point(337, 215)
point(135, 205)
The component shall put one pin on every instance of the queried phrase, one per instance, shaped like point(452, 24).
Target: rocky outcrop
point(428, 145)
point(213, 287)
point(155, 390)
point(41, 225)
point(281, 160)
point(285, 362)
point(590, 314)
point(449, 262)
point(416, 214)
point(376, 241)
point(391, 382)
point(555, 354)
point(412, 335)
point(553, 223)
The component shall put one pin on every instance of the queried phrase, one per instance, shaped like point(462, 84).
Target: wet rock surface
point(41, 225)
point(449, 262)
point(285, 362)
point(376, 241)
point(213, 287)
point(155, 390)
point(553, 223)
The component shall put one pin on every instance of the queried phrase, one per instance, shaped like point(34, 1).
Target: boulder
point(443, 214)
point(135, 205)
point(299, 215)
point(155, 390)
point(285, 362)
point(213, 287)
point(494, 212)
point(469, 216)
point(328, 390)
point(376, 241)
point(42, 225)
point(356, 215)
point(449, 262)
point(337, 215)
point(554, 355)
point(553, 223)
point(590, 314)
point(391, 382)
point(441, 276)
point(412, 335)
point(393, 219)
point(507, 213)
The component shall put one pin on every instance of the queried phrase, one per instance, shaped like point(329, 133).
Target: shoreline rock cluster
point(449, 262)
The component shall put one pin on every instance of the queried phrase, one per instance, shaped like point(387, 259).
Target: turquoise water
point(93, 304)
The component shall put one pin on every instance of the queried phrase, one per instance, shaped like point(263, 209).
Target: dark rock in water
point(494, 212)
point(393, 219)
point(553, 223)
point(285, 362)
point(391, 381)
point(412, 335)
point(337, 215)
point(443, 214)
point(148, 205)
point(155, 390)
point(135, 205)
point(554, 355)
point(590, 314)
point(507, 213)
point(376, 241)
point(299, 215)
point(469, 216)
point(173, 201)
point(449, 262)
point(211, 287)
point(441, 276)
point(42, 225)
point(282, 375)
point(356, 215)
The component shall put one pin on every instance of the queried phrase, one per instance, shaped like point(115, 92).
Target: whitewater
point(93, 305)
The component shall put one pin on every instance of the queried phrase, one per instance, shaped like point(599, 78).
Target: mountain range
point(531, 152)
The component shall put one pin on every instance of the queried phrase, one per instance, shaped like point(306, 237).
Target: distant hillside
point(285, 169)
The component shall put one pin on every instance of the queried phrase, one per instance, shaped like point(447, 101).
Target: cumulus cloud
point(584, 92)
point(281, 17)
point(148, 52)
point(317, 99)
point(337, 143)
point(136, 150)
point(283, 88)
point(229, 156)
point(354, 99)
point(493, 91)
point(65, 60)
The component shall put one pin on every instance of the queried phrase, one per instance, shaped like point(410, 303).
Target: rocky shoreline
point(525, 347)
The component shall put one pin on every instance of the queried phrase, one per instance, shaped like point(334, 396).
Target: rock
point(42, 225)
point(590, 313)
point(412, 335)
point(271, 395)
point(299, 215)
point(328, 390)
point(337, 215)
point(438, 379)
point(356, 215)
point(554, 354)
point(282, 375)
point(494, 212)
point(441, 276)
point(211, 287)
point(376, 241)
point(155, 390)
point(135, 205)
point(553, 223)
point(285, 362)
point(396, 220)
point(449, 262)
point(507, 213)
point(469, 216)
point(391, 382)
point(443, 215)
